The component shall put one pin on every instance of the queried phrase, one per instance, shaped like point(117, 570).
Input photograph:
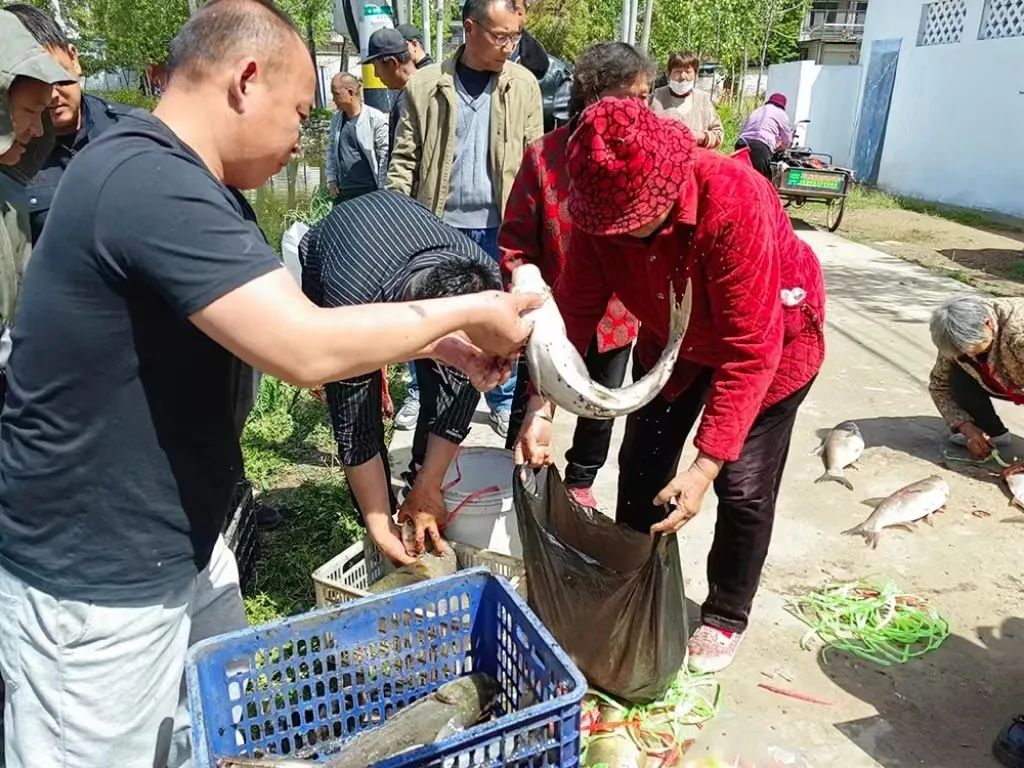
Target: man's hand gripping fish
point(559, 372)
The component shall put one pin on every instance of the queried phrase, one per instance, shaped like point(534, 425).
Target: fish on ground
point(558, 371)
point(915, 502)
point(457, 705)
point(1015, 483)
point(840, 449)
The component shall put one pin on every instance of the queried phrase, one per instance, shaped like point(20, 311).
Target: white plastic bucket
point(478, 497)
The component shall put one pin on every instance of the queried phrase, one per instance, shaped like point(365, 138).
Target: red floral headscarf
point(627, 166)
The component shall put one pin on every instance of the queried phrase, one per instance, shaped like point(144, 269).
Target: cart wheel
point(834, 214)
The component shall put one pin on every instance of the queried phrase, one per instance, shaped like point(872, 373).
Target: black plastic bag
point(611, 596)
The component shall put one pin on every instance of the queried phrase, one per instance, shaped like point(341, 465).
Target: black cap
point(411, 32)
point(384, 42)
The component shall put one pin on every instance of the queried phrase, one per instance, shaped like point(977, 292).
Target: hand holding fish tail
point(484, 371)
point(496, 325)
point(533, 446)
point(687, 490)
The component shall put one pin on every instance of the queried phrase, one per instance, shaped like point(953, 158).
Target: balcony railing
point(832, 32)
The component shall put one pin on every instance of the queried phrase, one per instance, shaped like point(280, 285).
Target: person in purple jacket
point(766, 131)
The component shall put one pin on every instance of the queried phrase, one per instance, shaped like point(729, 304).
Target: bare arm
point(272, 326)
point(369, 484)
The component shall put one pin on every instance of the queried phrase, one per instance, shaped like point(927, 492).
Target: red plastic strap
point(471, 497)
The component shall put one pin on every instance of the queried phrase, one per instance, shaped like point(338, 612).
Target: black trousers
point(976, 400)
point(760, 156)
point(747, 490)
point(593, 437)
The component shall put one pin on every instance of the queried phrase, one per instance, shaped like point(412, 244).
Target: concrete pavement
point(944, 709)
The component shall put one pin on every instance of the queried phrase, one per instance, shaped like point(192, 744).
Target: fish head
point(679, 319)
point(936, 483)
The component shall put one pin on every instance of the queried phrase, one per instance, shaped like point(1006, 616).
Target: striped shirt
point(364, 253)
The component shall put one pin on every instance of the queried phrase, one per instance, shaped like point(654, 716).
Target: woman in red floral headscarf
point(536, 230)
point(651, 211)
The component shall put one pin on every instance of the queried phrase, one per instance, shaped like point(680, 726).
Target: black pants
point(976, 400)
point(593, 437)
point(747, 490)
point(760, 156)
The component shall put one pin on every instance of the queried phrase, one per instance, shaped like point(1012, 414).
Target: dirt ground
point(942, 710)
point(984, 252)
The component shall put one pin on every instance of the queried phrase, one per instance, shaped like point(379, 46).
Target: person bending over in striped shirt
point(385, 247)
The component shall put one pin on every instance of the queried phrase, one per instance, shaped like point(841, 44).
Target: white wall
point(953, 133)
point(828, 96)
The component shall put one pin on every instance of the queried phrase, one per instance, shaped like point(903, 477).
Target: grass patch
point(290, 455)
point(863, 197)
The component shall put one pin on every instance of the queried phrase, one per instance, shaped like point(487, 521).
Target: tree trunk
point(316, 69)
point(764, 49)
point(645, 39)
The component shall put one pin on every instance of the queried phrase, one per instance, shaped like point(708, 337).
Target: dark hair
point(43, 28)
point(455, 274)
point(477, 9)
point(683, 60)
point(217, 31)
point(604, 66)
point(402, 58)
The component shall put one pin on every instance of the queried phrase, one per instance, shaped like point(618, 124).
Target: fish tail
point(870, 536)
point(835, 477)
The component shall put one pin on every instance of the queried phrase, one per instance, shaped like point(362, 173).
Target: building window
point(942, 22)
point(1002, 18)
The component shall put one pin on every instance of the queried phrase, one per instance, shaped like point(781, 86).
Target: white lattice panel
point(942, 22)
point(1002, 18)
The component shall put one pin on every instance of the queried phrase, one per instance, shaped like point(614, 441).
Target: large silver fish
point(918, 500)
point(558, 371)
point(1015, 483)
point(841, 449)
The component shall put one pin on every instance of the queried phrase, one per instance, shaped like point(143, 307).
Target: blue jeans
point(413, 390)
point(499, 398)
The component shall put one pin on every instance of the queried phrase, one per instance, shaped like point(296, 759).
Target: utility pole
point(426, 26)
point(624, 21)
point(440, 31)
point(645, 40)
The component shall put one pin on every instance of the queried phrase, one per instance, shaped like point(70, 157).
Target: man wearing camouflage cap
point(27, 77)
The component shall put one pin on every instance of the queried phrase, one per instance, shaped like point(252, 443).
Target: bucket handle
point(469, 498)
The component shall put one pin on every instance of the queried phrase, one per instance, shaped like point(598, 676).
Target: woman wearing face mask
point(681, 99)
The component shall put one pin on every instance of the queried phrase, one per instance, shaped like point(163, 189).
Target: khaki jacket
point(421, 164)
point(1005, 361)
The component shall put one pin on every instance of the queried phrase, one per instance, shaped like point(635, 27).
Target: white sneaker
point(999, 441)
point(500, 422)
point(711, 649)
point(409, 413)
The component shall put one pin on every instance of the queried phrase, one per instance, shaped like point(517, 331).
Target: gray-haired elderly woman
point(981, 356)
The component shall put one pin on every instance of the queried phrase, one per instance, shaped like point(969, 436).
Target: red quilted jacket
point(537, 225)
point(731, 237)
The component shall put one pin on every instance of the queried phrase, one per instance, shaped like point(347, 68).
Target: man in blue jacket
point(78, 118)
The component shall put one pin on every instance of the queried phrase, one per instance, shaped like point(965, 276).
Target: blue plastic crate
point(299, 686)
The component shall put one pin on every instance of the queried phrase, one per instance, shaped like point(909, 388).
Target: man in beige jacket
point(464, 127)
point(681, 99)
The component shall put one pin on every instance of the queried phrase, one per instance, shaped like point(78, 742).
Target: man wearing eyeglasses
point(464, 127)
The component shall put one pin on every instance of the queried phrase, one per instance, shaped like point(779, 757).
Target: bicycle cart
point(802, 176)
